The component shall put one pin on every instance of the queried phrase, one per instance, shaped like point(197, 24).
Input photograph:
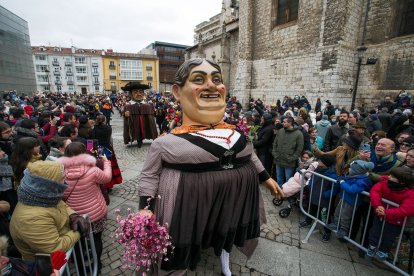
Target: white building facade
point(68, 70)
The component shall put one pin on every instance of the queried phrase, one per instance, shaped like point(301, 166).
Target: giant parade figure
point(203, 177)
point(139, 122)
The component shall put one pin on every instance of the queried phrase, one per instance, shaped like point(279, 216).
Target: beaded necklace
point(228, 141)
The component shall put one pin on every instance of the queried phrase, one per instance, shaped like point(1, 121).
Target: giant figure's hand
point(126, 114)
point(274, 188)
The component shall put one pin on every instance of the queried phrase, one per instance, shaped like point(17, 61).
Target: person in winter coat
point(321, 193)
point(57, 147)
point(103, 132)
point(29, 128)
point(398, 188)
point(344, 154)
point(294, 184)
point(6, 138)
point(27, 151)
point(42, 222)
point(322, 126)
point(336, 131)
point(356, 181)
point(264, 142)
point(287, 148)
point(84, 194)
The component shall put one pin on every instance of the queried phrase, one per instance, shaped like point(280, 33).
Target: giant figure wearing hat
point(139, 122)
point(206, 175)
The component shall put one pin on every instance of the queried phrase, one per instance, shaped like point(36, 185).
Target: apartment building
point(68, 70)
point(121, 68)
point(171, 56)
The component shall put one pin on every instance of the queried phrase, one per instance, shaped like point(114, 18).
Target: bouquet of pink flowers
point(145, 241)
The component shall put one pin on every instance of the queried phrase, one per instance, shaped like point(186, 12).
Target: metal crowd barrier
point(87, 261)
point(332, 198)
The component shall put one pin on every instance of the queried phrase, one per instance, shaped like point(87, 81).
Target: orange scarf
point(192, 129)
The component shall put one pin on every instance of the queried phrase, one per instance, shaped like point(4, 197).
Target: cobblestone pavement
point(280, 236)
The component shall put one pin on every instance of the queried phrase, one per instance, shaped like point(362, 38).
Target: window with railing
point(80, 70)
point(41, 68)
point(40, 57)
point(80, 60)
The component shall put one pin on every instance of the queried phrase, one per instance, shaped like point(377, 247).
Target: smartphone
point(100, 151)
point(89, 145)
point(43, 264)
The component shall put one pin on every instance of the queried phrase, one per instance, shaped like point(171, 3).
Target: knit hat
point(360, 167)
point(40, 185)
point(353, 141)
point(328, 160)
point(324, 117)
point(47, 169)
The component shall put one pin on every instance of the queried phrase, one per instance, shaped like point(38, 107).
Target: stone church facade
point(316, 48)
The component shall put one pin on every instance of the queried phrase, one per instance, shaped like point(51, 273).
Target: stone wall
point(314, 56)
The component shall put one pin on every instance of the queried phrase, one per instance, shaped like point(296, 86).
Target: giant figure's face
point(202, 97)
point(137, 95)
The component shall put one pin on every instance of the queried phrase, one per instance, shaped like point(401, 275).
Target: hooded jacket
point(322, 127)
point(404, 198)
point(84, 177)
point(287, 147)
point(353, 185)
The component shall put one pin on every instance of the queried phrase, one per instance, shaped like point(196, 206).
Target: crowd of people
point(365, 150)
point(57, 162)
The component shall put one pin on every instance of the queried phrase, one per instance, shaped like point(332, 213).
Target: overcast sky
point(121, 25)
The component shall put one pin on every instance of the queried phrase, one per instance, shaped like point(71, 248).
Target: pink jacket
point(83, 177)
point(293, 185)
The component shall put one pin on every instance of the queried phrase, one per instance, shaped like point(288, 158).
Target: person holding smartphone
point(84, 194)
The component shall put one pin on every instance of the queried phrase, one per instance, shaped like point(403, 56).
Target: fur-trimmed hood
point(76, 166)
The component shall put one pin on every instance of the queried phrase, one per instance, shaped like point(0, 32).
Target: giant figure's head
point(136, 90)
point(198, 85)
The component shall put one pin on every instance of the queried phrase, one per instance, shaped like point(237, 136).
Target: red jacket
point(404, 198)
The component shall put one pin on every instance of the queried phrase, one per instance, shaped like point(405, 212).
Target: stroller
point(292, 188)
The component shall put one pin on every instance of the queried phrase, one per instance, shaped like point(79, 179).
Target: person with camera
point(84, 193)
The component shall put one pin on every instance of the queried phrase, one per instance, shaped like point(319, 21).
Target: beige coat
point(36, 229)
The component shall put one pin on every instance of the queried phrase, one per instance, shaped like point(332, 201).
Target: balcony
point(71, 82)
point(112, 77)
point(149, 68)
point(69, 73)
point(113, 88)
point(94, 64)
point(149, 78)
point(112, 67)
point(56, 73)
point(95, 74)
point(68, 63)
point(58, 82)
point(96, 82)
point(55, 63)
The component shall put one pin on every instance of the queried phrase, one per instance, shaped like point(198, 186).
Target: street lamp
point(360, 52)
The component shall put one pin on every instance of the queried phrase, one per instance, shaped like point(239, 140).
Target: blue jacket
point(351, 186)
point(315, 185)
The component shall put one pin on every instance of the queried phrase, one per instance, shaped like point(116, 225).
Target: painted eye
point(198, 79)
point(217, 80)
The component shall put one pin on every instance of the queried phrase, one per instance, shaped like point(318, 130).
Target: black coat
point(264, 141)
point(103, 134)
